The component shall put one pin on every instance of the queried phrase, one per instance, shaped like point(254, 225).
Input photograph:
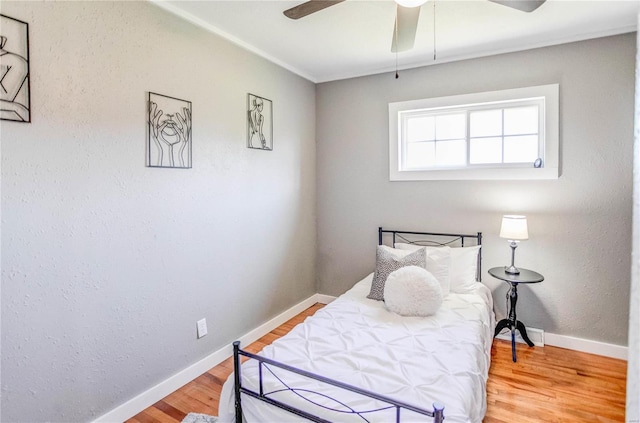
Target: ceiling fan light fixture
point(411, 3)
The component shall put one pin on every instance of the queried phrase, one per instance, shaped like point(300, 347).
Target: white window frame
point(549, 138)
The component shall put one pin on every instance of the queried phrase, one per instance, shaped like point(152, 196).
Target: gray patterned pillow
point(387, 262)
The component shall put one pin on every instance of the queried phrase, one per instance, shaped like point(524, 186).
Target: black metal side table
point(511, 322)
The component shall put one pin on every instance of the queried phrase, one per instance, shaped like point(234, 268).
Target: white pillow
point(464, 268)
point(438, 263)
point(463, 265)
point(412, 291)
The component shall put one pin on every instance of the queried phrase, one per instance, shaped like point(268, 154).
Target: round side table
point(511, 322)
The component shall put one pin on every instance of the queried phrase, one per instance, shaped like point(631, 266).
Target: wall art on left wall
point(259, 122)
point(169, 132)
point(15, 92)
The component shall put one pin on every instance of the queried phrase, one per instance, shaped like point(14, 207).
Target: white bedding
point(418, 360)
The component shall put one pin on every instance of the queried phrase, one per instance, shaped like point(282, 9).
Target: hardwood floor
point(554, 385)
point(546, 385)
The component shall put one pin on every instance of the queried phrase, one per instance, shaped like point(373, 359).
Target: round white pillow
point(412, 291)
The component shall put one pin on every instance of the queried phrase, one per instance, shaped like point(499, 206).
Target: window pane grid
point(440, 139)
point(493, 135)
point(534, 134)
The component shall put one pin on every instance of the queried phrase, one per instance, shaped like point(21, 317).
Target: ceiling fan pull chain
point(396, 35)
point(434, 30)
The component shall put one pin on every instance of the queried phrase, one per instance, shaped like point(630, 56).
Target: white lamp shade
point(411, 3)
point(514, 227)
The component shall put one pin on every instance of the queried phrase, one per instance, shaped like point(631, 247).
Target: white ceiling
point(353, 38)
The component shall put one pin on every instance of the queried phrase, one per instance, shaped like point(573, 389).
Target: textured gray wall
point(579, 225)
point(106, 264)
point(633, 372)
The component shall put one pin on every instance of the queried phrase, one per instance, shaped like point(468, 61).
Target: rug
point(199, 418)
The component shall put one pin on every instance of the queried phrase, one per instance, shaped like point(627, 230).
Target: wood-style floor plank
point(554, 385)
point(550, 385)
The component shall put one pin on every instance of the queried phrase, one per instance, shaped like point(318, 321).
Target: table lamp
point(514, 229)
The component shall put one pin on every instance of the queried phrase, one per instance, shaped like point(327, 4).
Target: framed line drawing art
point(259, 122)
point(15, 89)
point(169, 132)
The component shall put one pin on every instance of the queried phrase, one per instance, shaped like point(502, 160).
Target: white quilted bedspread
point(442, 358)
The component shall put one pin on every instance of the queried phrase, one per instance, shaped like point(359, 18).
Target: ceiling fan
point(407, 13)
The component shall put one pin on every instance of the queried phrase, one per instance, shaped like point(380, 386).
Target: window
point(511, 134)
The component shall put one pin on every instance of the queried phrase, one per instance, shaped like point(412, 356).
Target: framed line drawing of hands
point(259, 122)
point(169, 132)
point(15, 89)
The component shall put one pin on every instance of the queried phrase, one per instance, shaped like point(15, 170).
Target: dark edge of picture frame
point(149, 134)
point(248, 108)
point(28, 73)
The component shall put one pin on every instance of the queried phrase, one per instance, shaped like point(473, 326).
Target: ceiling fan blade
point(309, 7)
point(404, 31)
point(523, 5)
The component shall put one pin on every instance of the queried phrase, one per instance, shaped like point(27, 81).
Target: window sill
point(476, 174)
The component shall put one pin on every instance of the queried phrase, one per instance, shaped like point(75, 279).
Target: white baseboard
point(540, 338)
point(535, 335)
point(585, 345)
point(325, 299)
point(161, 390)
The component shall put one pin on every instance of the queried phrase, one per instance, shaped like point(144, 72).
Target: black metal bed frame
point(264, 363)
point(454, 238)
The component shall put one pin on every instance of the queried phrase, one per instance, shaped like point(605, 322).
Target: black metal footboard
point(437, 414)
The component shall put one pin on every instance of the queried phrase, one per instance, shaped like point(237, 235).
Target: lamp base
point(512, 270)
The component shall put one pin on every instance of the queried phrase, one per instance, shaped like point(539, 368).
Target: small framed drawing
point(259, 122)
point(15, 90)
point(169, 132)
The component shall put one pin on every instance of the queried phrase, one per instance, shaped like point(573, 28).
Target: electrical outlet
point(202, 328)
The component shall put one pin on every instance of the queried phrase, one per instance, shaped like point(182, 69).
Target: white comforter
point(442, 358)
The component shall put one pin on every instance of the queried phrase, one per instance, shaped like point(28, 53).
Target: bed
point(356, 361)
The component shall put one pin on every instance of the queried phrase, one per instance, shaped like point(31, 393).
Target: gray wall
point(633, 371)
point(106, 264)
point(579, 225)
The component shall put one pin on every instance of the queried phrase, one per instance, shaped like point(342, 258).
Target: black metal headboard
point(417, 238)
